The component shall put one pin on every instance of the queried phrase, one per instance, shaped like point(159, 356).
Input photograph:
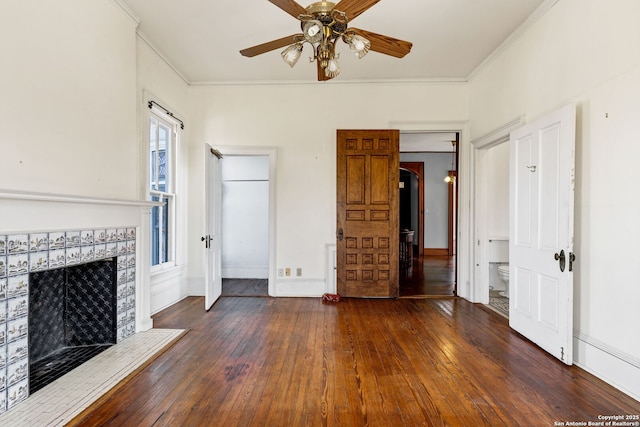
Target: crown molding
point(438, 81)
point(127, 11)
point(527, 24)
point(166, 60)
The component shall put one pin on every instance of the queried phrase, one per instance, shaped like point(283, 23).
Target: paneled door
point(541, 232)
point(212, 240)
point(367, 212)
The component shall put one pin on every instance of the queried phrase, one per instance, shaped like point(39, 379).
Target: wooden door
point(367, 212)
point(541, 232)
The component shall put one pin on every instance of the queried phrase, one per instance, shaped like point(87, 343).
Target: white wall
point(586, 52)
point(304, 132)
point(497, 170)
point(68, 111)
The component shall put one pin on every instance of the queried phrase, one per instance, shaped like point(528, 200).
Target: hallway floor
point(430, 276)
point(245, 287)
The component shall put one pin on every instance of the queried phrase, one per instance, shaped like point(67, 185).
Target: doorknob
point(340, 234)
point(207, 240)
point(561, 259)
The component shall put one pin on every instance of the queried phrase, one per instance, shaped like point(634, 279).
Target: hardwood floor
point(245, 288)
point(429, 276)
point(361, 362)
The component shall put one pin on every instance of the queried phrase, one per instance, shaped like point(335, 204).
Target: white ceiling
point(201, 39)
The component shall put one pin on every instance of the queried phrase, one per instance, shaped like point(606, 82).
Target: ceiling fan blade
point(268, 46)
point(385, 44)
point(291, 7)
point(353, 8)
point(322, 77)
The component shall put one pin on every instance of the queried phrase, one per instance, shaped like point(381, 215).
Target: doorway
point(248, 220)
point(245, 221)
point(426, 159)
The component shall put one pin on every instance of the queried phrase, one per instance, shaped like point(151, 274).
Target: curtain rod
point(169, 113)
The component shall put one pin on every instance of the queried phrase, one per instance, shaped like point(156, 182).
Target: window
point(162, 149)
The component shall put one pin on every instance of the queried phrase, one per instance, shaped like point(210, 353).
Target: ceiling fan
point(323, 23)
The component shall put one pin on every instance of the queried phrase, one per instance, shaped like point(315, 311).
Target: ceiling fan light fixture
point(323, 23)
point(313, 31)
point(292, 53)
point(359, 45)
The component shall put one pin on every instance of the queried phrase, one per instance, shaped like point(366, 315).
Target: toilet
point(503, 273)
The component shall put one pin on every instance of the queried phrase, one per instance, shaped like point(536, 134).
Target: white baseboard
point(619, 369)
point(195, 286)
point(145, 324)
point(300, 287)
point(246, 272)
point(166, 292)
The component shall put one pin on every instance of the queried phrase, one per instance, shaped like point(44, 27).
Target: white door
point(541, 232)
point(212, 240)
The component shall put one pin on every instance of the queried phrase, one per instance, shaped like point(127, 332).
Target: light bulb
point(312, 31)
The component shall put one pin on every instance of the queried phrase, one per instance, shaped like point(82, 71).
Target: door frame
point(464, 245)
point(453, 210)
point(480, 147)
point(272, 154)
point(417, 168)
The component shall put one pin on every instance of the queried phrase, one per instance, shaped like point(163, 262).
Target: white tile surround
point(62, 400)
point(23, 253)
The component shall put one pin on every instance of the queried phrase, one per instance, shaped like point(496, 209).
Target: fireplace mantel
point(65, 198)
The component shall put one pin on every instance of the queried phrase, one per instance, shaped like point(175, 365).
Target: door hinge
point(562, 353)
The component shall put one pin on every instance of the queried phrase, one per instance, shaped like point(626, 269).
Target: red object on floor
point(330, 298)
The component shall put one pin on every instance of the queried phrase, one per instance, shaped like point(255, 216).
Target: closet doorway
point(248, 220)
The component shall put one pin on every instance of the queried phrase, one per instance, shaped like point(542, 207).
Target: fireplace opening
point(72, 318)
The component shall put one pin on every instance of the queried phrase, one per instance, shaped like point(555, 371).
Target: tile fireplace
point(89, 275)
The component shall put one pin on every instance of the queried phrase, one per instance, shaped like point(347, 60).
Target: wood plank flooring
point(429, 276)
point(245, 288)
point(405, 362)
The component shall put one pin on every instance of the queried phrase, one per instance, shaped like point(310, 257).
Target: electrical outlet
point(298, 271)
point(287, 271)
point(280, 272)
